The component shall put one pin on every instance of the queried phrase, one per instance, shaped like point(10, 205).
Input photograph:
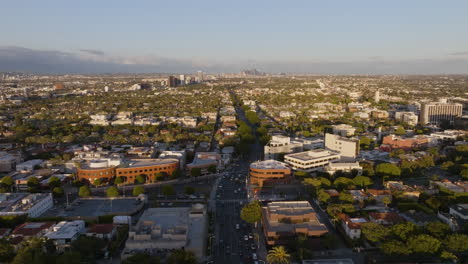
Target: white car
point(246, 238)
point(254, 256)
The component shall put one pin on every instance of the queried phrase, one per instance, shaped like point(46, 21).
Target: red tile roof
point(390, 217)
point(376, 192)
point(31, 228)
point(101, 228)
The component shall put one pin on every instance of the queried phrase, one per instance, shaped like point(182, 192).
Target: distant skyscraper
point(172, 81)
point(435, 112)
point(200, 76)
point(377, 96)
point(182, 79)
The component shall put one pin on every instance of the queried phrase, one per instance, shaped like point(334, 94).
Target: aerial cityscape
point(150, 132)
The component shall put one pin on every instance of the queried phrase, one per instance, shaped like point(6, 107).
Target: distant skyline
point(323, 37)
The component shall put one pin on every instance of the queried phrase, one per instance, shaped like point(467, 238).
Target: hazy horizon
point(366, 37)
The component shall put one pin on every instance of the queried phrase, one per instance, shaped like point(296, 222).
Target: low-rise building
point(388, 218)
point(64, 233)
point(279, 144)
point(407, 143)
point(331, 168)
point(33, 205)
point(103, 231)
point(352, 226)
point(380, 195)
point(170, 228)
point(205, 160)
point(283, 221)
point(180, 155)
point(312, 160)
point(459, 211)
point(348, 148)
point(344, 130)
point(269, 172)
point(128, 170)
point(29, 166)
point(407, 117)
point(32, 229)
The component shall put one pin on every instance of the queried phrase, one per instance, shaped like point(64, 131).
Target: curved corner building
point(269, 172)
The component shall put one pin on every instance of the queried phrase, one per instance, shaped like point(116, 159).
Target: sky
point(337, 37)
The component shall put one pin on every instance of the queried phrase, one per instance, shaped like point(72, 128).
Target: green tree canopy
point(112, 192)
point(181, 256)
point(374, 232)
point(423, 244)
point(189, 190)
point(118, 180)
point(140, 179)
point(168, 190)
point(212, 169)
point(395, 247)
point(137, 190)
point(90, 248)
point(176, 174)
point(32, 253)
point(404, 230)
point(141, 258)
point(97, 182)
point(7, 180)
point(362, 181)
point(438, 229)
point(84, 191)
point(53, 182)
point(323, 196)
point(57, 191)
point(301, 174)
point(342, 182)
point(7, 251)
point(457, 243)
point(278, 255)
point(388, 169)
point(195, 172)
point(346, 197)
point(252, 212)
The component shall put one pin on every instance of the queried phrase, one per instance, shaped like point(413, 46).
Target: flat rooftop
point(312, 154)
point(147, 162)
point(93, 207)
point(269, 164)
point(290, 208)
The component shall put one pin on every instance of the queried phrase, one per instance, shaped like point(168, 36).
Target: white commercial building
point(348, 148)
point(175, 154)
point(29, 165)
point(170, 228)
point(312, 160)
point(436, 112)
point(407, 117)
point(33, 205)
point(345, 167)
point(281, 144)
point(64, 233)
point(343, 130)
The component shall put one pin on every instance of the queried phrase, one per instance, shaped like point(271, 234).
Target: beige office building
point(436, 112)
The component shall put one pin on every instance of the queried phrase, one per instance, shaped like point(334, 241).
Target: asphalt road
point(232, 243)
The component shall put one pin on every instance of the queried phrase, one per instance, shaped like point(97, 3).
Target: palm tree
point(278, 255)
